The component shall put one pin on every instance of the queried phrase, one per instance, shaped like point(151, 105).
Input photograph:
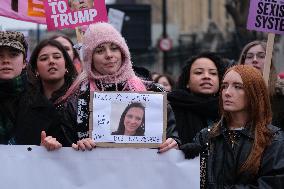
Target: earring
point(37, 74)
point(67, 71)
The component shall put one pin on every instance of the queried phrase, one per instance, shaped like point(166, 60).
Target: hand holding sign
point(167, 145)
point(86, 143)
point(49, 142)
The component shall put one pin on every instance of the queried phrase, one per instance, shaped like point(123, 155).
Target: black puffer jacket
point(224, 160)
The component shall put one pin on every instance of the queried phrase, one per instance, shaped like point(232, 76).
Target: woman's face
point(154, 76)
point(203, 77)
point(133, 119)
point(165, 83)
point(67, 46)
point(51, 65)
point(107, 59)
point(233, 94)
point(81, 4)
point(11, 63)
point(255, 57)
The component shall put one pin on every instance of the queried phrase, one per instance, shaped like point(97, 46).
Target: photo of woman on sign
point(132, 121)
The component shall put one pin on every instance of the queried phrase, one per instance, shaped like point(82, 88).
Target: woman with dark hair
point(154, 75)
point(195, 101)
point(69, 47)
point(166, 81)
point(42, 111)
point(132, 121)
point(242, 150)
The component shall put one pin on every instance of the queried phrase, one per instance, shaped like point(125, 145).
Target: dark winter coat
point(277, 104)
point(37, 113)
point(10, 93)
point(225, 159)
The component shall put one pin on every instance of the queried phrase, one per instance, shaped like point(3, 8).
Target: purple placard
point(60, 15)
point(266, 16)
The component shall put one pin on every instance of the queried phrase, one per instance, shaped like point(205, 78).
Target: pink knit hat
point(100, 33)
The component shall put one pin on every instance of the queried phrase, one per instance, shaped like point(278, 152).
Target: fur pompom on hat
point(98, 34)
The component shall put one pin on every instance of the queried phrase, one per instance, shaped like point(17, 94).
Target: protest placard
point(267, 16)
point(122, 119)
point(60, 14)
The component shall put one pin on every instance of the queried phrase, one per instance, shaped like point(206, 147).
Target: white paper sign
point(128, 117)
point(103, 168)
point(115, 18)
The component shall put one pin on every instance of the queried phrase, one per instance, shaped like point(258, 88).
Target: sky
point(12, 24)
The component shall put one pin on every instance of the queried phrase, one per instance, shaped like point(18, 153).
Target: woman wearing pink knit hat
point(107, 66)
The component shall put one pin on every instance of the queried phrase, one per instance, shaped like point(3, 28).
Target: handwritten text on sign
point(59, 14)
point(266, 16)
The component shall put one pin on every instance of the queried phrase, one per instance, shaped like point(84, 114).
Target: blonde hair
point(272, 75)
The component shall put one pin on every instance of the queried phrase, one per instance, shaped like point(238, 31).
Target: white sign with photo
point(136, 118)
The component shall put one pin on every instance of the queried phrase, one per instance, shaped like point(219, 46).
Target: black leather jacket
point(224, 160)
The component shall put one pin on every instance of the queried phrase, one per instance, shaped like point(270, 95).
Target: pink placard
point(26, 10)
point(59, 14)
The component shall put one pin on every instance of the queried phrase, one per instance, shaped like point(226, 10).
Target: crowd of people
point(224, 113)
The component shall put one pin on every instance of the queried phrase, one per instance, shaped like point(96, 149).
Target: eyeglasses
point(259, 56)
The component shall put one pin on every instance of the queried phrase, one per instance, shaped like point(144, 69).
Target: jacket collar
point(247, 130)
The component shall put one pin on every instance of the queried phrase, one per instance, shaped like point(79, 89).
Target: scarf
point(196, 103)
point(192, 112)
point(114, 83)
point(10, 90)
point(12, 87)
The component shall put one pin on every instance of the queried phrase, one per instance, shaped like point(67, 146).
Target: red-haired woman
point(243, 150)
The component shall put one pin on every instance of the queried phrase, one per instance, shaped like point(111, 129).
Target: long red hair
point(259, 110)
